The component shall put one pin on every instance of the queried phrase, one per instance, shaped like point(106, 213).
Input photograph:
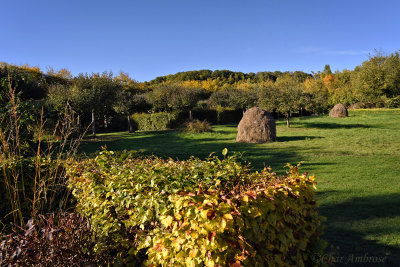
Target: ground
point(356, 161)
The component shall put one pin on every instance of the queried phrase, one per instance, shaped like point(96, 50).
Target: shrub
point(393, 102)
point(212, 212)
point(154, 121)
point(62, 240)
point(197, 126)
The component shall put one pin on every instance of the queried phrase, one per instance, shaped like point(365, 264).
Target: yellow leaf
point(228, 216)
point(167, 220)
point(223, 223)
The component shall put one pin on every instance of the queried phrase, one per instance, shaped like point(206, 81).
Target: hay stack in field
point(355, 106)
point(338, 111)
point(256, 126)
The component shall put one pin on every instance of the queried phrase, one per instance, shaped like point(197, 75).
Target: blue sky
point(150, 38)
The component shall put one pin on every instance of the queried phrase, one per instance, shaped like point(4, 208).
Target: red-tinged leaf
point(211, 236)
point(209, 204)
point(208, 254)
point(157, 247)
point(200, 191)
point(211, 214)
point(252, 194)
point(236, 213)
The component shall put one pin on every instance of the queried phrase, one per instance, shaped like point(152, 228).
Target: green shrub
point(153, 121)
point(197, 126)
point(195, 212)
point(393, 102)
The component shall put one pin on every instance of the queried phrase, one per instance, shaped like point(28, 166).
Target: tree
point(327, 70)
point(391, 68)
point(219, 98)
point(315, 95)
point(125, 104)
point(243, 100)
point(233, 98)
point(284, 96)
point(370, 79)
point(168, 97)
point(98, 92)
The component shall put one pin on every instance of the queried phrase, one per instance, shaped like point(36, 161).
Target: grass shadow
point(179, 146)
point(296, 138)
point(344, 218)
point(327, 125)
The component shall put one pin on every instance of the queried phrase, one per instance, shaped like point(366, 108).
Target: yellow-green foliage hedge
point(154, 121)
point(197, 213)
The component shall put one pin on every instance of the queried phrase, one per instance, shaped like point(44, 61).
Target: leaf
point(167, 220)
point(224, 151)
point(211, 236)
point(228, 217)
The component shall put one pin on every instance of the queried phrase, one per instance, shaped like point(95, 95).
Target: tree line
point(103, 100)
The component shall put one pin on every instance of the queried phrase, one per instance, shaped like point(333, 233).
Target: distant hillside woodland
point(108, 102)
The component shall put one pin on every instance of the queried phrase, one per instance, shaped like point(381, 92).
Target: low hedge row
point(153, 121)
point(197, 213)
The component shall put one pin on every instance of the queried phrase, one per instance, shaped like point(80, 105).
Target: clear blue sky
point(149, 38)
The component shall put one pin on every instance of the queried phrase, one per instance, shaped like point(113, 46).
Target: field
point(356, 161)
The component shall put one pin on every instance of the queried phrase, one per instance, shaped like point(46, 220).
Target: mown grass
point(356, 161)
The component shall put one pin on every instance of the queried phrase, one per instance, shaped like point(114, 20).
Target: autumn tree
point(98, 92)
point(169, 97)
point(284, 96)
point(233, 98)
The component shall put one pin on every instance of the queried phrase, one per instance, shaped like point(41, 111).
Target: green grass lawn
point(356, 161)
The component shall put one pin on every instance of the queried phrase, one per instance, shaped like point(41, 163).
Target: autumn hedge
point(197, 212)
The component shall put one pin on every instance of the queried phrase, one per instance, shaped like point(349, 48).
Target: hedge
point(197, 213)
point(153, 121)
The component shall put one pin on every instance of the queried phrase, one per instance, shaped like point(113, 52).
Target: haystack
point(256, 126)
point(338, 111)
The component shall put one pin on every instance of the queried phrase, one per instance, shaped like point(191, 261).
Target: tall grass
point(32, 170)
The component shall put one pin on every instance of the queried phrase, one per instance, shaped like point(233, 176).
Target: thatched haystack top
point(338, 111)
point(256, 126)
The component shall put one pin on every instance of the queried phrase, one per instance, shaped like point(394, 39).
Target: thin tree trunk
point(93, 123)
point(79, 124)
point(287, 120)
point(105, 122)
point(130, 128)
point(190, 115)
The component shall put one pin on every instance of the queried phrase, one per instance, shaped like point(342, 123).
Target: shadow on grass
point(320, 125)
point(372, 214)
point(177, 146)
point(296, 138)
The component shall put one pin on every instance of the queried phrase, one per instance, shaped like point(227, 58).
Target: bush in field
point(194, 212)
point(197, 126)
point(62, 240)
point(153, 121)
point(393, 102)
